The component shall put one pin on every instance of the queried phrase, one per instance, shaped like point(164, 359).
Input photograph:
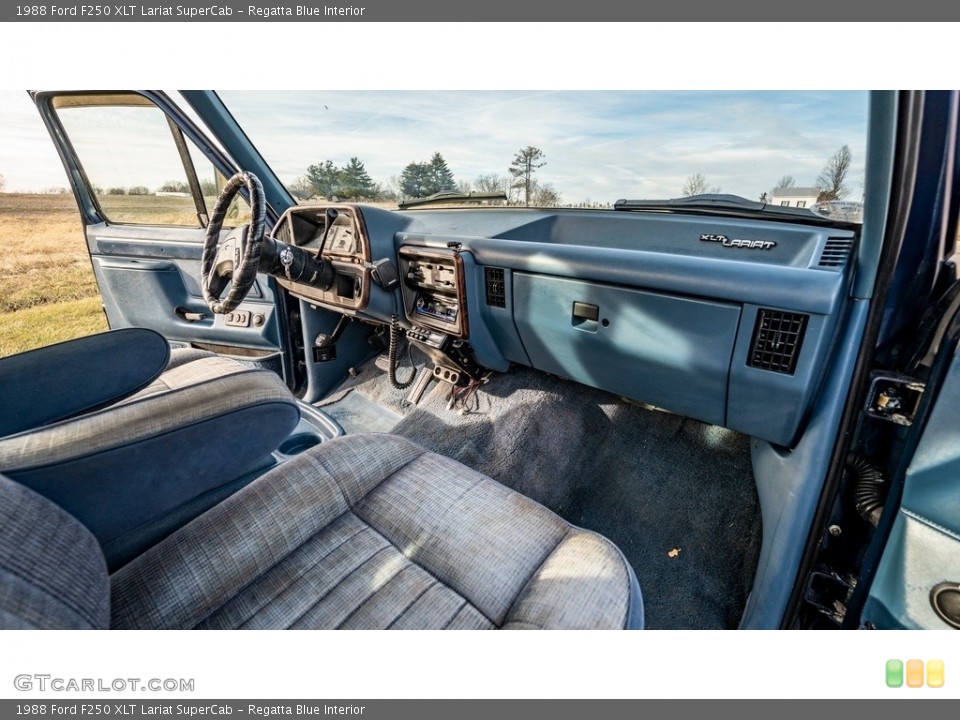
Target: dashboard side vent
point(777, 338)
point(836, 252)
point(496, 292)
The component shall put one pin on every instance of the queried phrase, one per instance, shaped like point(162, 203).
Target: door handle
point(586, 311)
point(585, 316)
point(185, 314)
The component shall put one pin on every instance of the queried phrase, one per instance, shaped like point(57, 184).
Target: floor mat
point(357, 413)
point(677, 496)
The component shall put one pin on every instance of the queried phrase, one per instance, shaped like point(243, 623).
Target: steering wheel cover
point(246, 273)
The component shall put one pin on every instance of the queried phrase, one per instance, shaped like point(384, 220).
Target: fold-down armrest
point(53, 383)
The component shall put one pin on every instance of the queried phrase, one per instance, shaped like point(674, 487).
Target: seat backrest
point(52, 572)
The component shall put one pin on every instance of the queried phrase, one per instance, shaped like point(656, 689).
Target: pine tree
point(355, 182)
point(439, 178)
point(414, 180)
point(325, 178)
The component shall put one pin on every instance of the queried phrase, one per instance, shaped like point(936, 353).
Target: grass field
point(47, 290)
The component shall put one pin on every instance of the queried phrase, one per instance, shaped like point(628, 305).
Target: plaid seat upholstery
point(366, 531)
point(186, 433)
point(52, 573)
point(372, 531)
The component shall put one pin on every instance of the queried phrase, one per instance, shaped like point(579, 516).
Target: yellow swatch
point(935, 673)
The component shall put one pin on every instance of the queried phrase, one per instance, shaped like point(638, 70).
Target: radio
point(434, 290)
point(435, 306)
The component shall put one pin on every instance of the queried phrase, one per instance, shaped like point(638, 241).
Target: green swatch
point(894, 673)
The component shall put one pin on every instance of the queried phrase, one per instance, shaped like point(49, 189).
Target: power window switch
point(239, 318)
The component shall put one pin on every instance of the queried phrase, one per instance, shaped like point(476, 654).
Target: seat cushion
point(52, 574)
point(372, 531)
point(183, 355)
point(198, 426)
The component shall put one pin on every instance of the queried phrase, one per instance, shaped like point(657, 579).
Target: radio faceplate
point(431, 305)
point(433, 289)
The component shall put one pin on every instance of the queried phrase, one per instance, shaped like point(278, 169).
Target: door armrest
point(60, 381)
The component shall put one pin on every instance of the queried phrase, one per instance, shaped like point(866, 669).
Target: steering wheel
point(237, 256)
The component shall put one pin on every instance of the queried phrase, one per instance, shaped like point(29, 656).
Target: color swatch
point(912, 673)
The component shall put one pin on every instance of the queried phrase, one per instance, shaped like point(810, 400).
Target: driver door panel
point(155, 283)
point(145, 191)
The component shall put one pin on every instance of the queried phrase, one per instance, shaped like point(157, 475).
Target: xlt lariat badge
point(736, 243)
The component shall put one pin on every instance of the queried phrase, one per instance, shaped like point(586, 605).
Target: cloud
point(598, 145)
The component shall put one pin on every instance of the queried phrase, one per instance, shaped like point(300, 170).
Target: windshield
point(563, 149)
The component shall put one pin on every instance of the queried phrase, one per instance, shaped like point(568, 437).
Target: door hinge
point(895, 398)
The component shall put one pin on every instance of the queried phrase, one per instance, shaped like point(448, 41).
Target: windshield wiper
point(731, 205)
point(452, 196)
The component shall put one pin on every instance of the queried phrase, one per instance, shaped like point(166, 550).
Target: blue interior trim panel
point(665, 350)
point(686, 304)
point(735, 280)
point(789, 483)
point(924, 545)
point(149, 277)
point(772, 405)
point(498, 321)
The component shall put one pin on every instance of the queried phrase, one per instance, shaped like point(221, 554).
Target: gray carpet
point(677, 496)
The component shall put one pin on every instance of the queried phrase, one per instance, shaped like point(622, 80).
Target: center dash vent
point(776, 341)
point(836, 252)
point(496, 292)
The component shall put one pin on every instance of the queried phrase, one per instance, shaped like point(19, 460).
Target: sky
point(599, 146)
point(28, 159)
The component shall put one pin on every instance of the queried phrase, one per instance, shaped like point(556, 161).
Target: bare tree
point(525, 163)
point(492, 183)
point(787, 181)
point(301, 188)
point(697, 185)
point(543, 195)
point(3, 183)
point(831, 179)
point(391, 188)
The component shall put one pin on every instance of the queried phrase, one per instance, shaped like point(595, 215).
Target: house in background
point(798, 197)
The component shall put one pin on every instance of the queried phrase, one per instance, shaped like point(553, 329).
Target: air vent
point(836, 252)
point(776, 341)
point(496, 292)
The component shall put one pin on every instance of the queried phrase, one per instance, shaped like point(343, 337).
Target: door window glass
point(141, 168)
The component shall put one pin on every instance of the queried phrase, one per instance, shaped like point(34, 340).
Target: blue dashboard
point(727, 320)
